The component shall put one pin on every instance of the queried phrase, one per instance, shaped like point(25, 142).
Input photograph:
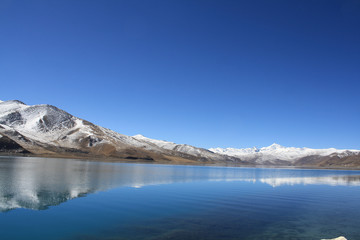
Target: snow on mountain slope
point(182, 148)
point(40, 122)
point(276, 152)
point(43, 123)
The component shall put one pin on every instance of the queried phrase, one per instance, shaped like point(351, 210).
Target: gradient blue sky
point(206, 73)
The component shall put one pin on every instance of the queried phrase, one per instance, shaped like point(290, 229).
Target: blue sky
point(205, 73)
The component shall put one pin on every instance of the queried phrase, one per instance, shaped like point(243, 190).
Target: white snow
point(276, 152)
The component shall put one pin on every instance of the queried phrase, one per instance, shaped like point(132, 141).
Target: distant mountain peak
point(274, 146)
point(275, 152)
point(139, 136)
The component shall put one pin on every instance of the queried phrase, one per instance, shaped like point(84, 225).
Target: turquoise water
point(73, 199)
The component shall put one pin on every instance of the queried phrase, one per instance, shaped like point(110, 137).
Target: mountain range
point(45, 130)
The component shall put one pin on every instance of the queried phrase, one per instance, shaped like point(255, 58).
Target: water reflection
point(348, 180)
point(37, 183)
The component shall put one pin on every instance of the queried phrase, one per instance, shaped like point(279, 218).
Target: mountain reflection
point(37, 183)
point(331, 180)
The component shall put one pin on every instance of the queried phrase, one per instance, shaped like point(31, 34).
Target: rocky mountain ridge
point(49, 131)
point(45, 130)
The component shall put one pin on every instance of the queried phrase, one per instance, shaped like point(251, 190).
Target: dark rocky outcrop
point(9, 146)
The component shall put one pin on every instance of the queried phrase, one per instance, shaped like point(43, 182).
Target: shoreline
point(179, 163)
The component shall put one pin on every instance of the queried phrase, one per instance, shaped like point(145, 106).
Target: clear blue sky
point(206, 73)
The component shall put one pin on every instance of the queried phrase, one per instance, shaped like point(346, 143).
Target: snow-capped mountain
point(201, 153)
point(275, 153)
point(46, 130)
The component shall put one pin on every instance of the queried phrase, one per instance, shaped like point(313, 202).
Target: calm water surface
point(72, 199)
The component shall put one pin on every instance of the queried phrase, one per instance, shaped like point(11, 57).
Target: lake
point(68, 199)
